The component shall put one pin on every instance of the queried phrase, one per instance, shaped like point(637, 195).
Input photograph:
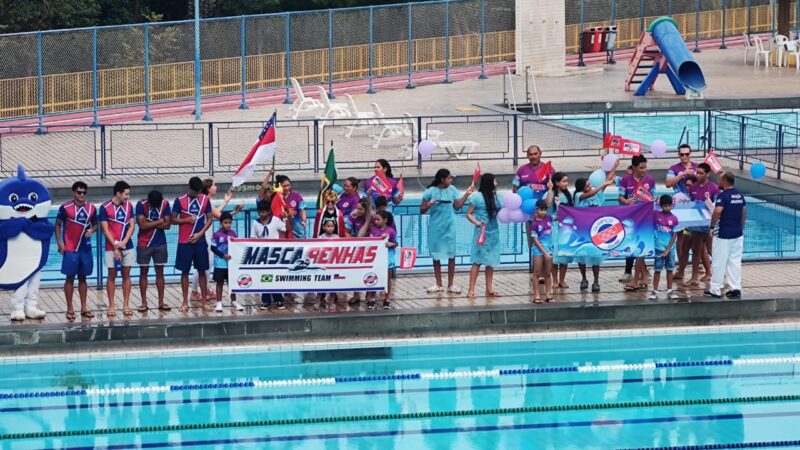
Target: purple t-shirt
point(542, 229)
point(354, 224)
point(627, 187)
point(388, 231)
point(702, 193)
point(347, 203)
point(526, 176)
point(665, 228)
point(674, 171)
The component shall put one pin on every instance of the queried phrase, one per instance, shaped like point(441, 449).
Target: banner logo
point(268, 278)
point(244, 280)
point(370, 279)
point(607, 233)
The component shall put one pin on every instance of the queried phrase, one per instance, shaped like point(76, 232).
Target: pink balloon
point(608, 162)
point(517, 216)
point(658, 148)
point(426, 148)
point(503, 216)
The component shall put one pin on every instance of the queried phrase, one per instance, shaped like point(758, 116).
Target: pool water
point(560, 391)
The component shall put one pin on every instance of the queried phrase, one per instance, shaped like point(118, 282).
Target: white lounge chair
point(361, 119)
point(302, 103)
point(331, 110)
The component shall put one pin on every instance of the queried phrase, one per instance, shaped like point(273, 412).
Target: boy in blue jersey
point(665, 236)
point(219, 246)
point(153, 215)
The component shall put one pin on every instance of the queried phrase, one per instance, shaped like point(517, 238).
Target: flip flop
point(70, 316)
point(549, 300)
point(493, 294)
point(631, 288)
point(111, 313)
point(164, 308)
point(127, 312)
point(184, 308)
point(87, 314)
point(471, 294)
point(143, 308)
point(537, 300)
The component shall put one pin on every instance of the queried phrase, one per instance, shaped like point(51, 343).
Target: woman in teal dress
point(442, 200)
point(482, 212)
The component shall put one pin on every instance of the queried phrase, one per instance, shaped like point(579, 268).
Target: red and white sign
point(713, 161)
point(408, 257)
point(381, 184)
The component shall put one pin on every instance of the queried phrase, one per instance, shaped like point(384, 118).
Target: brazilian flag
point(328, 177)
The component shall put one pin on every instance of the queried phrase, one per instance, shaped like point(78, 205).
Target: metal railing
point(92, 69)
point(125, 150)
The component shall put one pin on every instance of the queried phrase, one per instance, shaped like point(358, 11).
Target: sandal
point(184, 308)
point(549, 300)
point(537, 300)
point(164, 308)
point(631, 288)
point(142, 308)
point(70, 316)
point(87, 314)
point(563, 286)
point(127, 311)
point(471, 294)
point(493, 294)
point(111, 313)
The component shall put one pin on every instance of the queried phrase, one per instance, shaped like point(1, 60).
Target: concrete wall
point(540, 38)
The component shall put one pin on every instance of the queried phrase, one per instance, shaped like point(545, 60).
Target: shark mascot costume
point(25, 234)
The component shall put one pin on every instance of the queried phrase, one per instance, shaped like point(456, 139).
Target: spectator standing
point(191, 212)
point(267, 226)
point(349, 199)
point(702, 190)
point(76, 223)
point(482, 212)
point(665, 225)
point(727, 225)
point(116, 221)
point(153, 215)
point(219, 246)
point(297, 207)
point(536, 174)
point(678, 178)
point(637, 187)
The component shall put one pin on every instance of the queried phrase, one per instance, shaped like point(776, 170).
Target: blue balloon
point(597, 178)
point(525, 192)
point(528, 206)
point(758, 170)
point(337, 188)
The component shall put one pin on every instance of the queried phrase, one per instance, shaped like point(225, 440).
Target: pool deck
point(771, 292)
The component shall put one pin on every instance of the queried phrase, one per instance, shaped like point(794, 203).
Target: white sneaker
point(454, 289)
point(237, 306)
point(434, 289)
point(33, 312)
point(17, 314)
point(218, 307)
point(653, 295)
point(671, 294)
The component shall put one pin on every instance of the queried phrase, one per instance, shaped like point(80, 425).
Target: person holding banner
point(383, 222)
point(191, 212)
point(637, 187)
point(442, 200)
point(268, 226)
point(482, 212)
point(678, 178)
point(665, 236)
point(297, 207)
point(329, 213)
point(383, 184)
point(540, 240)
point(76, 222)
point(559, 195)
point(357, 225)
point(703, 190)
point(587, 196)
point(536, 174)
point(727, 223)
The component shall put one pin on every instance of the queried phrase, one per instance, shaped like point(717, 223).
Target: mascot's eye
point(33, 196)
point(13, 198)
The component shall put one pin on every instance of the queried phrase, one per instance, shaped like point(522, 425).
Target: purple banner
point(606, 231)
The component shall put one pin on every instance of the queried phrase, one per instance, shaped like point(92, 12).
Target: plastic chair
point(779, 41)
point(748, 47)
point(362, 119)
point(793, 48)
point(760, 51)
point(331, 110)
point(302, 103)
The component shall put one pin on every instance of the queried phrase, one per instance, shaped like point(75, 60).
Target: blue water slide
point(665, 33)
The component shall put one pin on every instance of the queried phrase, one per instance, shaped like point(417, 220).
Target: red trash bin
point(597, 39)
point(587, 41)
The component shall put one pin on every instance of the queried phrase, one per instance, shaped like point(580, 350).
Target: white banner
point(308, 265)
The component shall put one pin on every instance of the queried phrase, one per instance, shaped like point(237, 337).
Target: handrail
point(511, 88)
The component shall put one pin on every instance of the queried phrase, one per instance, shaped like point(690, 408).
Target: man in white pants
point(727, 225)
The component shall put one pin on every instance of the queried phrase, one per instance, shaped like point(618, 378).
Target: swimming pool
point(631, 389)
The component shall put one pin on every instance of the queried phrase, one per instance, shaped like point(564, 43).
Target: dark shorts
point(157, 254)
point(220, 275)
point(192, 255)
point(80, 263)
